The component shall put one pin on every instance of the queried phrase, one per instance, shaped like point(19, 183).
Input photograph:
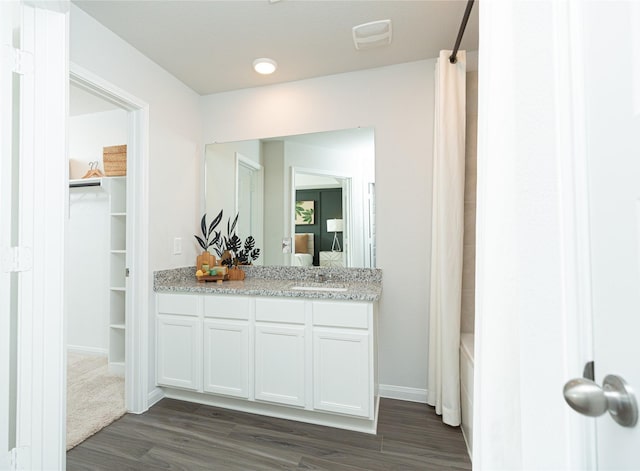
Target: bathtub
point(466, 388)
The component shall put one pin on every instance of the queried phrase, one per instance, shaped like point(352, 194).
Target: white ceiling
point(211, 45)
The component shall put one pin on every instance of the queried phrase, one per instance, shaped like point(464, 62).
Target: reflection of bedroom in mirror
point(331, 174)
point(324, 196)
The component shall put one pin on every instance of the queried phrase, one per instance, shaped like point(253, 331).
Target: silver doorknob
point(615, 396)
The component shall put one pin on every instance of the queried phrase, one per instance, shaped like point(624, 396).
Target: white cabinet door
point(179, 351)
point(342, 372)
point(279, 364)
point(226, 357)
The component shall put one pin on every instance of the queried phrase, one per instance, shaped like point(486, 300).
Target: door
point(226, 357)
point(179, 351)
point(341, 371)
point(249, 189)
point(279, 363)
point(611, 57)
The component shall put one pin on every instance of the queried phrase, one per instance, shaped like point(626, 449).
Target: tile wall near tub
point(469, 243)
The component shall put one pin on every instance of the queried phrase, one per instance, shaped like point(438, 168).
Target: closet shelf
point(119, 251)
point(117, 326)
point(116, 288)
point(119, 214)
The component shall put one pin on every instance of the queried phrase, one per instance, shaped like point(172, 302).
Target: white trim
point(574, 211)
point(155, 396)
point(403, 393)
point(527, 236)
point(274, 410)
point(137, 324)
point(7, 192)
point(93, 351)
point(41, 407)
point(466, 443)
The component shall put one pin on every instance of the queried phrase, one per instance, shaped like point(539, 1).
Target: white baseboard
point(154, 396)
point(466, 442)
point(116, 368)
point(402, 393)
point(102, 352)
point(357, 424)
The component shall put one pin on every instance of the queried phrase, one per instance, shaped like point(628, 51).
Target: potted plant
point(230, 249)
point(206, 241)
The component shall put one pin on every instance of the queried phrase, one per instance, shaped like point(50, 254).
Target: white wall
point(220, 181)
point(175, 140)
point(89, 133)
point(397, 101)
point(87, 251)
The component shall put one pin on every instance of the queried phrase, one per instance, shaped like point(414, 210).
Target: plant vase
point(206, 258)
point(236, 274)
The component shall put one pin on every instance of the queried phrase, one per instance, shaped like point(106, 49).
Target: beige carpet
point(95, 398)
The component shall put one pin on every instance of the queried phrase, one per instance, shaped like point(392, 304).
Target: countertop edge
point(368, 296)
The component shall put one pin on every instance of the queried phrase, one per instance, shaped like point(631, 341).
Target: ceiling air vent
point(373, 34)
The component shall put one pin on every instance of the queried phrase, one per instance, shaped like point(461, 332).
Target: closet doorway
point(106, 265)
point(95, 261)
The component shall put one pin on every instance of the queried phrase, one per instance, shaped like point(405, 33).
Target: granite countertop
point(359, 284)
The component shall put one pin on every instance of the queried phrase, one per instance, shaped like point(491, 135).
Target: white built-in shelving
point(117, 187)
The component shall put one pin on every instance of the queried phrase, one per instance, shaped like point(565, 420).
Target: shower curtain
point(443, 383)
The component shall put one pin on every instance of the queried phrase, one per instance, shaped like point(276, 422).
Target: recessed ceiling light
point(264, 65)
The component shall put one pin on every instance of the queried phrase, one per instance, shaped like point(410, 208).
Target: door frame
point(533, 310)
point(257, 196)
point(136, 323)
point(40, 408)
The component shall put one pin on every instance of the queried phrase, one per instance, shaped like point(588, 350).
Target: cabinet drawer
point(341, 314)
point(184, 304)
point(227, 307)
point(290, 311)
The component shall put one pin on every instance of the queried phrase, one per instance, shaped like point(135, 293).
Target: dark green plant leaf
point(201, 242)
point(234, 243)
point(255, 254)
point(233, 226)
point(215, 240)
point(243, 257)
point(215, 223)
point(203, 226)
point(249, 244)
point(307, 215)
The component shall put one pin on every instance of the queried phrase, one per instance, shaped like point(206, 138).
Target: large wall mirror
point(316, 192)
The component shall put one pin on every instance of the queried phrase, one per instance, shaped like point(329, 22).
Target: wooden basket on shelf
point(114, 160)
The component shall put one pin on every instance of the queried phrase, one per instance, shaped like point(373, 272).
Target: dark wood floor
point(179, 435)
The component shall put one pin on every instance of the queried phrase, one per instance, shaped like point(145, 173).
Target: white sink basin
point(318, 287)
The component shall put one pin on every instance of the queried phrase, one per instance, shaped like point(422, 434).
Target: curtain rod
point(452, 58)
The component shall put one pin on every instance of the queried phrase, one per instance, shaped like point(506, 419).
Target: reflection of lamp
point(335, 226)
